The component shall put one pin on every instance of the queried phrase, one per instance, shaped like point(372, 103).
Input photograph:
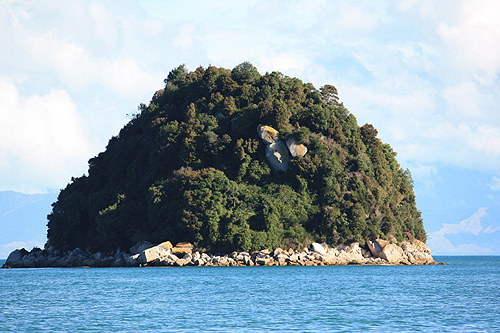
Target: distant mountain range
point(23, 220)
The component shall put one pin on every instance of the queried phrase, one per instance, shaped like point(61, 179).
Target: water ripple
point(460, 297)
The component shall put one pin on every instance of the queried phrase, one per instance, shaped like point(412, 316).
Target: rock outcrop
point(141, 246)
point(183, 248)
point(154, 253)
point(377, 252)
point(278, 153)
point(417, 253)
point(16, 256)
point(75, 258)
point(277, 156)
point(268, 134)
point(295, 149)
point(413, 252)
point(384, 249)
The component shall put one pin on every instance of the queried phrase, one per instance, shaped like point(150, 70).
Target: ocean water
point(461, 297)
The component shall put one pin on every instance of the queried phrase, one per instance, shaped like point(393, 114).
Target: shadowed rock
point(277, 156)
point(16, 257)
point(141, 246)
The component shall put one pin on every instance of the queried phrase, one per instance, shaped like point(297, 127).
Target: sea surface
point(461, 297)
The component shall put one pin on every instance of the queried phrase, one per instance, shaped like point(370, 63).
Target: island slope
point(194, 166)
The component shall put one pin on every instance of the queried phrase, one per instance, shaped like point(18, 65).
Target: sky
point(424, 73)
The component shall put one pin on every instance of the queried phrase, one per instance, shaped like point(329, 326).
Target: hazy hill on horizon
point(23, 220)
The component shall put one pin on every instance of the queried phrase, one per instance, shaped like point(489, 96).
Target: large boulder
point(386, 250)
point(15, 258)
point(132, 261)
point(318, 248)
point(168, 260)
point(294, 148)
point(278, 157)
point(183, 248)
point(277, 153)
point(166, 245)
point(153, 253)
point(420, 246)
point(392, 253)
point(141, 246)
point(417, 253)
point(376, 246)
point(349, 254)
point(268, 134)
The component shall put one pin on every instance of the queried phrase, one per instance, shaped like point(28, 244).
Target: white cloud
point(495, 184)
point(463, 100)
point(282, 62)
point(184, 41)
point(356, 18)
point(104, 23)
point(79, 70)
point(426, 175)
point(475, 38)
point(125, 77)
point(81, 59)
point(43, 139)
point(226, 46)
point(406, 4)
point(486, 139)
point(153, 27)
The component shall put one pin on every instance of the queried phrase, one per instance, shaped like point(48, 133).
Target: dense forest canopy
point(191, 166)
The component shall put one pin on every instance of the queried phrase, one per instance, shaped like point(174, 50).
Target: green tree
point(329, 94)
point(245, 73)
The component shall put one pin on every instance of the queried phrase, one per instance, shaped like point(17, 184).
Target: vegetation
point(190, 167)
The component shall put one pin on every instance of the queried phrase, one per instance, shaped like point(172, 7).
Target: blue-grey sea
point(461, 297)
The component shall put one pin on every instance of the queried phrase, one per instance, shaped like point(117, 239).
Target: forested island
point(232, 160)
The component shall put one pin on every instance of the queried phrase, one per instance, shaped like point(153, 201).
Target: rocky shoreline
point(144, 254)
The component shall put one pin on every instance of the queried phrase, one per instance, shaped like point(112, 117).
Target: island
point(237, 168)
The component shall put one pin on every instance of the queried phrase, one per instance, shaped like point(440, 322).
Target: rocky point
point(375, 252)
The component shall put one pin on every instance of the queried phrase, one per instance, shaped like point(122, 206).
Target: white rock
point(417, 253)
point(153, 253)
point(392, 253)
point(385, 250)
point(318, 248)
point(294, 148)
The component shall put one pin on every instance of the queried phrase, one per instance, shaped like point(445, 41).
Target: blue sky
point(424, 73)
